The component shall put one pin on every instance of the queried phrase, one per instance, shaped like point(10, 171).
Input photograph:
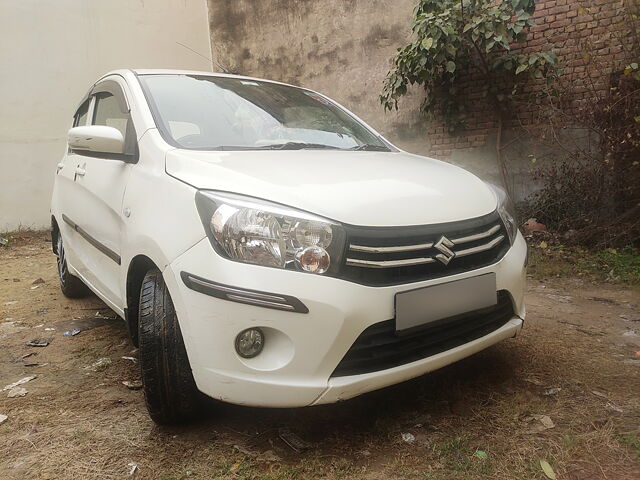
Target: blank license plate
point(425, 305)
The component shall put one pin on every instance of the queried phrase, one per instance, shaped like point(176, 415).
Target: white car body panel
point(358, 188)
point(147, 208)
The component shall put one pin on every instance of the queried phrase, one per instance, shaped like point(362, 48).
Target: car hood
point(357, 188)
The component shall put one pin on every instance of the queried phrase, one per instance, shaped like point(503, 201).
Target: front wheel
point(71, 286)
point(169, 389)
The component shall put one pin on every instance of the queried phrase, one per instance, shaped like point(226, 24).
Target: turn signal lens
point(313, 259)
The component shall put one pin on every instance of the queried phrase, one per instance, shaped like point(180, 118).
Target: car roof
point(166, 71)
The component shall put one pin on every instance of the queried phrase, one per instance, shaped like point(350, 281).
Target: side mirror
point(96, 138)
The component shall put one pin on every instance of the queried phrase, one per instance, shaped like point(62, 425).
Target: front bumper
point(303, 349)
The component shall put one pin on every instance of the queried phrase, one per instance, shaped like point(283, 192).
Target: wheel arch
point(138, 267)
point(55, 231)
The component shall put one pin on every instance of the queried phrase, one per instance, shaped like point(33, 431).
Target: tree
point(457, 38)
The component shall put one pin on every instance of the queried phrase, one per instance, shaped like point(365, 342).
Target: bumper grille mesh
point(379, 347)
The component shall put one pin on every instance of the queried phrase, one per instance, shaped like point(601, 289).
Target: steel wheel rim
point(62, 261)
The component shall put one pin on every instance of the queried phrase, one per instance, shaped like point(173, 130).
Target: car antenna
point(225, 70)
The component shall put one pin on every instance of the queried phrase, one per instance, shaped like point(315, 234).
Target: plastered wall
point(50, 53)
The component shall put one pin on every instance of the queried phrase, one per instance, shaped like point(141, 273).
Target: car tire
point(169, 389)
point(71, 286)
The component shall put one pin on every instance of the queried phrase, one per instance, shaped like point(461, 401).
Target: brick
point(559, 9)
point(540, 28)
point(561, 23)
point(559, 38)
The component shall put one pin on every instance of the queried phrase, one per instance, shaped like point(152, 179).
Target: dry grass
point(76, 423)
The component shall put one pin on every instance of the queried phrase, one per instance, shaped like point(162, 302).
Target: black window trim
point(112, 87)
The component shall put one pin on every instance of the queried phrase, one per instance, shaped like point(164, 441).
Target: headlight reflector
point(307, 233)
point(263, 233)
point(249, 235)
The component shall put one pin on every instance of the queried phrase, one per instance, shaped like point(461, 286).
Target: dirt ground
point(566, 391)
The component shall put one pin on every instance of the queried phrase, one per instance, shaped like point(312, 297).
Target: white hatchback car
point(266, 247)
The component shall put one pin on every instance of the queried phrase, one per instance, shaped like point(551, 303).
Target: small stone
point(408, 437)
point(17, 392)
point(3, 418)
point(552, 391)
point(37, 281)
point(132, 385)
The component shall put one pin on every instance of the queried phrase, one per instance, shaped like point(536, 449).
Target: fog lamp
point(313, 259)
point(250, 342)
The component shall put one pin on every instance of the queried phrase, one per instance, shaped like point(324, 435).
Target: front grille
point(381, 256)
point(379, 347)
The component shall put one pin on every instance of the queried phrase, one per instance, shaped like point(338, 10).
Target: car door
point(99, 183)
point(65, 192)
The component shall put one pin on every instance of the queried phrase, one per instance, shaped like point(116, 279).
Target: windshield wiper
point(296, 146)
point(371, 148)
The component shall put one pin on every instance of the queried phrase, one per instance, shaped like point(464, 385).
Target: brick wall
point(591, 39)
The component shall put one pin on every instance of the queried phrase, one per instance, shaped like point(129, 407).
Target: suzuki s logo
point(444, 246)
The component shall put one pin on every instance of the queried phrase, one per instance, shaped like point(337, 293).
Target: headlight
point(255, 231)
point(506, 211)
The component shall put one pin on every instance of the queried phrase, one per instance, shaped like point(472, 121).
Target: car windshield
point(220, 113)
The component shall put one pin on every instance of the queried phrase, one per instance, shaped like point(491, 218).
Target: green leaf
point(634, 66)
point(490, 46)
point(523, 15)
point(521, 68)
point(637, 119)
point(427, 43)
point(533, 59)
point(467, 27)
point(548, 471)
point(481, 454)
point(451, 66)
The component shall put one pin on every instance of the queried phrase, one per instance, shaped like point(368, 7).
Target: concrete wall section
point(51, 52)
point(341, 48)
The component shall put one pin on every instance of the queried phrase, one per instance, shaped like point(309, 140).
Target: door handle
point(80, 172)
point(59, 167)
